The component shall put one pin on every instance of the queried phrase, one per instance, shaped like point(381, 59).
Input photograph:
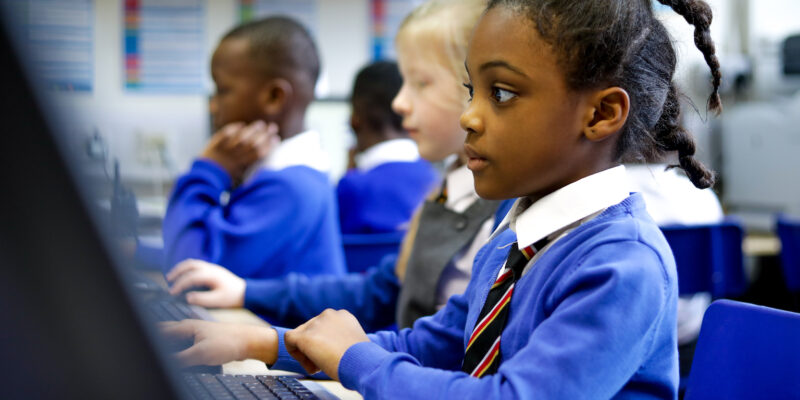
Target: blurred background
point(132, 85)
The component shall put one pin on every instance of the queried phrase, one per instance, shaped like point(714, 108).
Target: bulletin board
point(386, 17)
point(58, 36)
point(165, 46)
point(304, 11)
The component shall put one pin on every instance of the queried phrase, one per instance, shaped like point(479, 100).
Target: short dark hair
point(374, 88)
point(622, 43)
point(282, 47)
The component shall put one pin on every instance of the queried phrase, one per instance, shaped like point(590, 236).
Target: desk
point(255, 367)
point(761, 245)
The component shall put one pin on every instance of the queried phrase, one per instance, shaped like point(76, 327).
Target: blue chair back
point(362, 251)
point(746, 352)
point(789, 233)
point(709, 258)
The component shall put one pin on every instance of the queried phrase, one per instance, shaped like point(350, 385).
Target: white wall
point(137, 125)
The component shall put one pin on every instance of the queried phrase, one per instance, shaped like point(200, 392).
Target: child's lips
point(476, 160)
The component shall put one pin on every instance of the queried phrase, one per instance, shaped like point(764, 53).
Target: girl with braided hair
point(575, 294)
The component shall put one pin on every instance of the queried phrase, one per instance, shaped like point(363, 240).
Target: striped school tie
point(482, 356)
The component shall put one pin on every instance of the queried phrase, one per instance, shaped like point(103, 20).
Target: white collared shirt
point(671, 198)
point(556, 214)
point(304, 149)
point(395, 150)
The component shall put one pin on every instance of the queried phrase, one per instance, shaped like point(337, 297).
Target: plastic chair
point(362, 251)
point(789, 233)
point(709, 258)
point(746, 352)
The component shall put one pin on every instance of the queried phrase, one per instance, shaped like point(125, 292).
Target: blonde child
point(436, 260)
point(577, 299)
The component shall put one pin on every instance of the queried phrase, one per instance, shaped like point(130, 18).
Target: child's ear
point(275, 94)
point(608, 113)
point(355, 122)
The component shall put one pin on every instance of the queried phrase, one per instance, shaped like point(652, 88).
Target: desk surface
point(255, 367)
point(760, 245)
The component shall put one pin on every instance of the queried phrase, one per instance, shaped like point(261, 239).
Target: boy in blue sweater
point(260, 208)
point(386, 178)
point(576, 299)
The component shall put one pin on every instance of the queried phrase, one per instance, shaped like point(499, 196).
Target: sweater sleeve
point(604, 318)
point(371, 297)
point(262, 230)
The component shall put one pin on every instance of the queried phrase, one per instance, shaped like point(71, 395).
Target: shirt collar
point(565, 206)
point(395, 150)
point(305, 149)
point(459, 185)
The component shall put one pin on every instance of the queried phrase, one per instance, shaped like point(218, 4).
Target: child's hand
point(217, 343)
point(320, 343)
point(237, 146)
point(225, 290)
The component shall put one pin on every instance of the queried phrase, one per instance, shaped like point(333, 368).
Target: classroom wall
point(156, 136)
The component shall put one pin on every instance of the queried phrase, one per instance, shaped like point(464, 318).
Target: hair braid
point(698, 13)
point(671, 136)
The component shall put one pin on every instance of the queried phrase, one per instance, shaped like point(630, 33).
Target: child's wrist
point(262, 344)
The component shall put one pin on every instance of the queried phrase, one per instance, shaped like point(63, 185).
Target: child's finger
point(247, 134)
point(190, 280)
point(194, 355)
point(211, 298)
point(230, 133)
point(182, 268)
point(178, 330)
point(308, 365)
point(273, 129)
point(263, 144)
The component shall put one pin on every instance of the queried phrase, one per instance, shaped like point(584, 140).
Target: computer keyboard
point(236, 387)
point(171, 309)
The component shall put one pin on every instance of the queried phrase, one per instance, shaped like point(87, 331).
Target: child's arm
point(608, 318)
point(296, 298)
point(260, 222)
point(217, 343)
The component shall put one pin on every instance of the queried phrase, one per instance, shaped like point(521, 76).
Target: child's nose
point(400, 103)
point(470, 121)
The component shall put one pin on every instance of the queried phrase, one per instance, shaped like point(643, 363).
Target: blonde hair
point(448, 25)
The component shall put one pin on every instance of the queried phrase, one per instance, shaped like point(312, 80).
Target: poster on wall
point(58, 36)
point(304, 11)
point(164, 42)
point(386, 17)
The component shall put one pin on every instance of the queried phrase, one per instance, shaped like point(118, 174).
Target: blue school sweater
point(593, 318)
point(370, 296)
point(277, 222)
point(383, 198)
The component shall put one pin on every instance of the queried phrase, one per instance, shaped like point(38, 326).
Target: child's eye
point(502, 95)
point(469, 88)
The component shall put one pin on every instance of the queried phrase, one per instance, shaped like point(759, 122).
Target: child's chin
point(488, 191)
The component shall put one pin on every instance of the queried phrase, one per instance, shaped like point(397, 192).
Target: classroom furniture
point(746, 352)
point(709, 258)
point(362, 251)
point(788, 231)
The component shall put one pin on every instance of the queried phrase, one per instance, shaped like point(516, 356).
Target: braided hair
point(621, 43)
